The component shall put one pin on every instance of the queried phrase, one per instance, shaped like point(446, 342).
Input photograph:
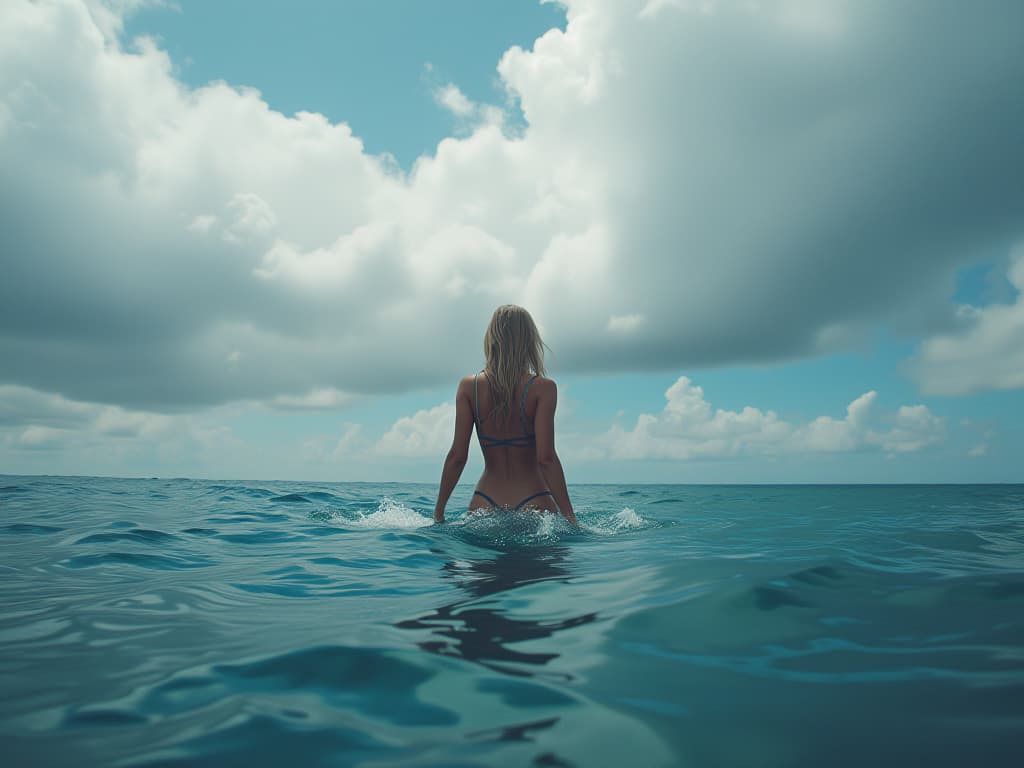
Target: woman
point(512, 405)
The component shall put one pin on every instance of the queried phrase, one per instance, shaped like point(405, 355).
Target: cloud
point(689, 428)
point(986, 352)
point(831, 435)
point(52, 414)
point(625, 323)
point(350, 441)
point(114, 440)
point(40, 421)
point(752, 181)
point(454, 100)
point(315, 400)
point(426, 433)
point(914, 428)
point(21, 406)
point(350, 445)
point(38, 437)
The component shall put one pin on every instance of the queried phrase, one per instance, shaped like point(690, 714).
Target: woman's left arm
point(458, 454)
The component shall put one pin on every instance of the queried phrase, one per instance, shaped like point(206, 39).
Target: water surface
point(193, 622)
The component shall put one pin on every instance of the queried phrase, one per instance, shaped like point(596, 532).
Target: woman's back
point(511, 405)
point(507, 438)
point(516, 441)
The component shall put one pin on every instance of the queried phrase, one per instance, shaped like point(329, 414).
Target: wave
point(291, 498)
point(29, 528)
point(158, 562)
point(140, 535)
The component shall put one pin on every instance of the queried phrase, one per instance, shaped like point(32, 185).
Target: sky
point(764, 241)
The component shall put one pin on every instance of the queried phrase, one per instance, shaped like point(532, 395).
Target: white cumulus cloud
point(690, 428)
point(426, 433)
point(450, 97)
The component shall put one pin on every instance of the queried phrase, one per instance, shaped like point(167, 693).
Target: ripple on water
point(156, 562)
point(321, 496)
point(141, 535)
point(369, 681)
point(291, 498)
point(29, 528)
point(248, 516)
point(242, 490)
point(258, 537)
point(677, 616)
point(272, 740)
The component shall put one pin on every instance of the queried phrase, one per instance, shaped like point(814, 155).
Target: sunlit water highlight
point(188, 622)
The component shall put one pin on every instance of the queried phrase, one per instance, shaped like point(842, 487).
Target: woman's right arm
point(455, 461)
point(547, 457)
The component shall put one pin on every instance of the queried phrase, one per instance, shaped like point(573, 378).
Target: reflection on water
point(520, 732)
point(480, 628)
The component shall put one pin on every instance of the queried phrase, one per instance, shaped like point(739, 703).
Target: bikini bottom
point(518, 506)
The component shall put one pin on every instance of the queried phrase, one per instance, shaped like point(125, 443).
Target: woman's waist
point(508, 486)
point(512, 477)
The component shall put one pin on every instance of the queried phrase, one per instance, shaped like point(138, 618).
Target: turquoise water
point(192, 622)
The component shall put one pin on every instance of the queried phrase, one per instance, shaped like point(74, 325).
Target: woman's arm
point(547, 458)
point(455, 461)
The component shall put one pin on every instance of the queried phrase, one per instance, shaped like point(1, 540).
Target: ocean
point(178, 622)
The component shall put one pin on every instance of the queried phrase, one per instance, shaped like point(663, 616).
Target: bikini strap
point(522, 405)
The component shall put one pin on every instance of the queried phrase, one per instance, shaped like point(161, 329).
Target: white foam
point(546, 526)
point(625, 520)
point(390, 514)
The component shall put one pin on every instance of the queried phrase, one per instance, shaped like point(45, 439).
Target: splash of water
point(623, 521)
point(489, 528)
point(390, 514)
point(523, 527)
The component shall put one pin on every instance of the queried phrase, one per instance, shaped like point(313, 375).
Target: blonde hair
point(512, 347)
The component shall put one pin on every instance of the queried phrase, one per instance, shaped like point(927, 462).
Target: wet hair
point(512, 348)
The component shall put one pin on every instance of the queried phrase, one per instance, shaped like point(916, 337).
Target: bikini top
point(524, 440)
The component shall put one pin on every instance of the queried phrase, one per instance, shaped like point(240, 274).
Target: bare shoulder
point(473, 381)
point(544, 386)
